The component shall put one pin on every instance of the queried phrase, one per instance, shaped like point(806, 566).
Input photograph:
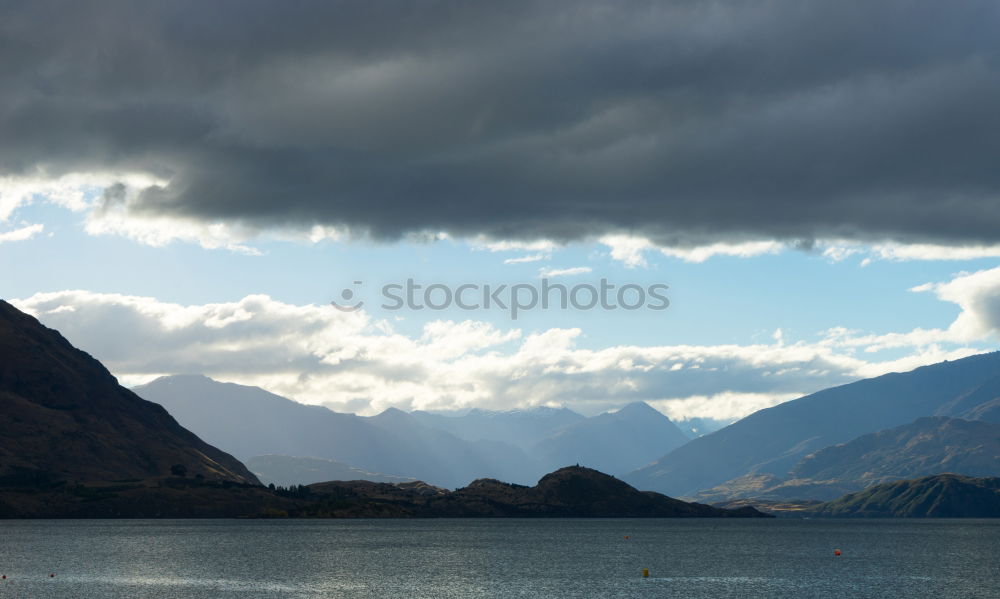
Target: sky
point(811, 186)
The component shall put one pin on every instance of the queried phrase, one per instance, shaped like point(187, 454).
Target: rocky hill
point(66, 418)
point(926, 446)
point(567, 492)
point(939, 496)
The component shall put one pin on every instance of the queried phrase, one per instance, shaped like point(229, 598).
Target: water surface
point(500, 558)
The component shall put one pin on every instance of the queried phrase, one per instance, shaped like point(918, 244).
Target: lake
point(500, 558)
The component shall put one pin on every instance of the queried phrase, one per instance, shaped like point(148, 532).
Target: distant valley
point(448, 450)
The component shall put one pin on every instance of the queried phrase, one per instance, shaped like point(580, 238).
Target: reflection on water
point(500, 558)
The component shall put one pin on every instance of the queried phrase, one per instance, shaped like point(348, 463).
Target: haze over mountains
point(523, 428)
point(770, 443)
point(632, 435)
point(252, 422)
point(609, 442)
point(443, 449)
point(288, 471)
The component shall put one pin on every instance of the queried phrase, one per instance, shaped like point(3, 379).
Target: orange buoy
point(626, 537)
point(836, 552)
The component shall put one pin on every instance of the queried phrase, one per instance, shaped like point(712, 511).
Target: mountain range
point(251, 422)
point(523, 428)
point(927, 446)
point(636, 434)
point(443, 449)
point(615, 442)
point(771, 442)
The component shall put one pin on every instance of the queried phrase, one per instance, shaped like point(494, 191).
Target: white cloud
point(978, 294)
point(525, 259)
point(86, 192)
point(837, 250)
point(551, 273)
point(722, 406)
point(494, 245)
point(628, 249)
point(631, 250)
point(978, 297)
point(83, 191)
point(702, 253)
point(22, 234)
point(922, 251)
point(317, 233)
point(319, 355)
point(162, 231)
point(447, 339)
point(74, 191)
point(113, 217)
point(111, 214)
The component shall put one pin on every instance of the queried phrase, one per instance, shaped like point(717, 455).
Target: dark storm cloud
point(684, 121)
